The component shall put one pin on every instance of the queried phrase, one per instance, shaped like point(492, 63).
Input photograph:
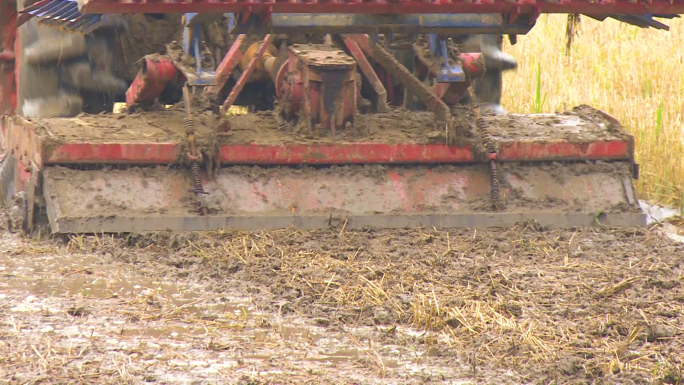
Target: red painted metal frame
point(21, 138)
point(564, 150)
point(473, 64)
point(22, 178)
point(118, 153)
point(312, 63)
point(227, 65)
point(151, 80)
point(362, 41)
point(604, 7)
point(367, 69)
point(244, 77)
point(8, 57)
point(343, 153)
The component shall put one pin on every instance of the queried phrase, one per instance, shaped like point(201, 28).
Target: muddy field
point(581, 125)
point(520, 305)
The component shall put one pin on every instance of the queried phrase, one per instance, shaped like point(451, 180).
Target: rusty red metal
point(9, 67)
point(249, 7)
point(291, 88)
point(22, 177)
point(17, 68)
point(473, 64)
point(551, 150)
point(342, 153)
point(385, 78)
point(7, 56)
point(148, 85)
point(329, 84)
point(281, 82)
point(123, 153)
point(367, 69)
point(247, 72)
point(22, 141)
point(227, 65)
point(346, 153)
point(361, 40)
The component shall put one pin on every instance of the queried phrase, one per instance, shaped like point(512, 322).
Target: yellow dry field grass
point(635, 75)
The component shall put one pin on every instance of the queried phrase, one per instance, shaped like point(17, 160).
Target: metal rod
point(227, 65)
point(247, 73)
point(362, 61)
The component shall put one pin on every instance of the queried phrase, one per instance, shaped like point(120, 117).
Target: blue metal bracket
point(192, 45)
point(447, 73)
point(192, 39)
point(231, 21)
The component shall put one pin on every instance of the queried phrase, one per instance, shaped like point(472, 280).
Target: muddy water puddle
point(87, 276)
point(88, 281)
point(172, 331)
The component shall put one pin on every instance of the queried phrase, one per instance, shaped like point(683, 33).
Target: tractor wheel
point(66, 73)
point(63, 74)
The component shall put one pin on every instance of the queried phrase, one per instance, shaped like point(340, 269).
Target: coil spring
point(189, 125)
point(196, 175)
point(494, 192)
point(489, 145)
point(487, 139)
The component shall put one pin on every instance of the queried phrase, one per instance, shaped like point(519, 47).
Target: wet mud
point(583, 124)
point(262, 197)
point(144, 35)
point(396, 126)
point(520, 305)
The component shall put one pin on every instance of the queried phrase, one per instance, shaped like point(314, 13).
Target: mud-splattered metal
point(576, 173)
point(344, 153)
point(157, 199)
point(23, 139)
point(155, 73)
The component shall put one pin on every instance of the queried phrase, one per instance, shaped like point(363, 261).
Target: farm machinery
point(308, 113)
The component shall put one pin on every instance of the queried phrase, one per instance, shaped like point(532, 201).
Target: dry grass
point(633, 74)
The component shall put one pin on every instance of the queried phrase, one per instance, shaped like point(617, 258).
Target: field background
point(634, 74)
